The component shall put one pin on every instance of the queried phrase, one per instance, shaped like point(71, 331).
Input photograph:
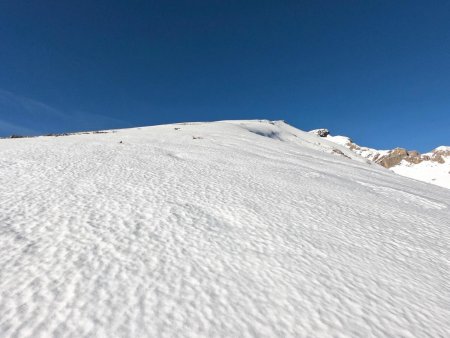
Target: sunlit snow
point(232, 228)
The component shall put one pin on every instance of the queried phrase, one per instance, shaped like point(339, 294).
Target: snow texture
point(426, 171)
point(232, 228)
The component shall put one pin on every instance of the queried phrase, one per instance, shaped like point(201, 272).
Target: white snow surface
point(250, 229)
point(443, 148)
point(427, 171)
point(365, 152)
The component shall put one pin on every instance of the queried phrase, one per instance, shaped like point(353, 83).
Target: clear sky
point(377, 71)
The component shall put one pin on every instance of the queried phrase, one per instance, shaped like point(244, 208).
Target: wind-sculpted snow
point(216, 229)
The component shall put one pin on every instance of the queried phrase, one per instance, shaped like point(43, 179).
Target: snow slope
point(424, 167)
point(427, 171)
point(232, 228)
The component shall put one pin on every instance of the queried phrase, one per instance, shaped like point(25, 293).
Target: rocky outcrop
point(387, 158)
point(320, 132)
point(394, 157)
point(439, 154)
point(432, 167)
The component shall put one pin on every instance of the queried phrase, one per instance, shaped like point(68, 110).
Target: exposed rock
point(437, 158)
point(414, 159)
point(320, 132)
point(57, 135)
point(375, 158)
point(399, 152)
point(439, 154)
point(337, 151)
point(430, 167)
point(353, 146)
point(393, 158)
point(397, 155)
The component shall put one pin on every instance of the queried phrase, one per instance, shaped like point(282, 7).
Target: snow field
point(252, 229)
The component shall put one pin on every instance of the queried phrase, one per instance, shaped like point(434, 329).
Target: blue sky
point(377, 71)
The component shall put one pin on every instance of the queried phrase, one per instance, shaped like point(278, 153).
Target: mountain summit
point(231, 228)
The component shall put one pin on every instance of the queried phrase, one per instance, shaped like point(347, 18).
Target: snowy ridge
point(231, 228)
point(432, 167)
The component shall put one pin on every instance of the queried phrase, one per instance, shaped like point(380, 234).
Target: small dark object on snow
point(57, 135)
point(323, 132)
point(337, 151)
point(16, 136)
point(120, 142)
point(196, 137)
point(177, 128)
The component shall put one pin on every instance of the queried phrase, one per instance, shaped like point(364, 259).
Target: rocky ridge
point(401, 158)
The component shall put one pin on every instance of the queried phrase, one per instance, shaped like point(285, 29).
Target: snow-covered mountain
point(432, 167)
point(232, 228)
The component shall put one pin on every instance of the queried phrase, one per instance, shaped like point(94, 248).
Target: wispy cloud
point(29, 105)
point(23, 115)
point(7, 128)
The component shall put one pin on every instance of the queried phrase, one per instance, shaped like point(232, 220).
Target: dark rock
point(322, 132)
point(339, 152)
